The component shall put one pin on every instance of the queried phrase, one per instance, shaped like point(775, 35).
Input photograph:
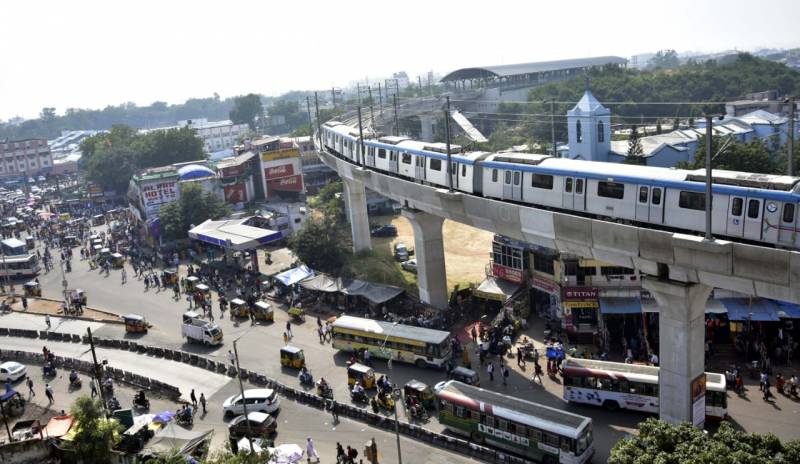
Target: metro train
point(748, 207)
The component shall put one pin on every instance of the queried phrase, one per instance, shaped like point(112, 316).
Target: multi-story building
point(315, 172)
point(30, 157)
point(218, 137)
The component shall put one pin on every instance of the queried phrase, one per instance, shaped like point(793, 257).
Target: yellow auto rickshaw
point(262, 311)
point(191, 283)
point(135, 323)
point(239, 308)
point(117, 260)
point(357, 372)
point(170, 277)
point(32, 289)
point(297, 313)
point(292, 356)
point(421, 391)
point(203, 289)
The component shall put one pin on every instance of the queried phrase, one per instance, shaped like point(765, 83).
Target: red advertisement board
point(276, 172)
point(235, 193)
point(232, 171)
point(287, 184)
point(507, 273)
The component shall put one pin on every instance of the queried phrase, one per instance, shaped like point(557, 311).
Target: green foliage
point(320, 244)
point(634, 143)
point(246, 108)
point(94, 434)
point(746, 157)
point(301, 131)
point(781, 165)
point(659, 442)
point(194, 207)
point(665, 59)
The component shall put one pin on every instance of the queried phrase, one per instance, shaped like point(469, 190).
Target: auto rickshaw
point(421, 391)
point(467, 376)
point(191, 283)
point(239, 308)
point(202, 289)
point(69, 240)
point(98, 220)
point(117, 260)
point(263, 311)
point(135, 323)
point(357, 372)
point(297, 313)
point(170, 277)
point(32, 289)
point(292, 356)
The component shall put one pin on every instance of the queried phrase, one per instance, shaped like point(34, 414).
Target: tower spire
point(586, 82)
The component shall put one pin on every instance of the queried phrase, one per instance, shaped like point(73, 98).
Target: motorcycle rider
point(73, 377)
point(305, 376)
point(140, 398)
point(358, 391)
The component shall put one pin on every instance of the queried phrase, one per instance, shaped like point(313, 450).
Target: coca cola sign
point(279, 171)
point(287, 184)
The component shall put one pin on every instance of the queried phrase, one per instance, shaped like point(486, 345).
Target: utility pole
point(98, 378)
point(396, 87)
point(360, 155)
point(790, 144)
point(308, 109)
point(447, 141)
point(709, 195)
point(371, 114)
point(380, 96)
point(396, 123)
point(419, 80)
point(553, 128)
point(333, 96)
point(241, 392)
point(316, 111)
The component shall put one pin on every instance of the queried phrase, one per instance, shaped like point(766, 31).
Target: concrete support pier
point(427, 127)
point(355, 199)
point(681, 340)
point(429, 251)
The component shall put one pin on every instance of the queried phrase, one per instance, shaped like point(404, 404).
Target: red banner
point(287, 184)
point(507, 273)
point(546, 285)
point(233, 171)
point(235, 193)
point(276, 172)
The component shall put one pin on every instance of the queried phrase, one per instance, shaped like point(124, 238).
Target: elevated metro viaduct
point(681, 269)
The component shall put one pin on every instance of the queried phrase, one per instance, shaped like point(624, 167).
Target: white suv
point(257, 399)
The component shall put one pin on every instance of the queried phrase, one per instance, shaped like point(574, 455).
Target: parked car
point(12, 371)
point(401, 251)
point(257, 423)
point(258, 400)
point(388, 230)
point(410, 265)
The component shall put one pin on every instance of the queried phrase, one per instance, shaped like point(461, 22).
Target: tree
point(246, 108)
point(667, 59)
point(745, 157)
point(659, 442)
point(47, 114)
point(94, 434)
point(781, 163)
point(160, 148)
point(320, 244)
point(194, 207)
point(635, 152)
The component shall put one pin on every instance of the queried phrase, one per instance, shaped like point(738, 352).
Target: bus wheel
point(420, 363)
point(611, 405)
point(476, 437)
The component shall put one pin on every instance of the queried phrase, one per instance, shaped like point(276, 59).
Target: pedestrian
point(203, 402)
point(311, 452)
point(93, 386)
point(24, 303)
point(319, 325)
point(321, 333)
point(763, 382)
point(520, 357)
point(504, 373)
point(367, 357)
point(48, 391)
point(231, 357)
point(352, 454)
point(334, 407)
point(289, 329)
point(47, 320)
point(124, 275)
point(537, 372)
point(193, 397)
point(328, 331)
point(285, 338)
point(767, 393)
point(29, 383)
point(490, 371)
point(340, 456)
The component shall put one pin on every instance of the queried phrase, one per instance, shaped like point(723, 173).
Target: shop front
point(580, 306)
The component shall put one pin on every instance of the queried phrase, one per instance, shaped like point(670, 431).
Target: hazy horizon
point(90, 54)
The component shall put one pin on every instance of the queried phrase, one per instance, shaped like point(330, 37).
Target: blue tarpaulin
point(620, 305)
point(755, 309)
point(292, 276)
point(790, 310)
point(7, 395)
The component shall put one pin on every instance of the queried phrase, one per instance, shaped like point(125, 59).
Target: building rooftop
point(506, 70)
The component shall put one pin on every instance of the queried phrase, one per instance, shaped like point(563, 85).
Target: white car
point(12, 371)
point(410, 265)
point(258, 399)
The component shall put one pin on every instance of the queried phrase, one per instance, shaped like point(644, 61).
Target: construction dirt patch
point(53, 308)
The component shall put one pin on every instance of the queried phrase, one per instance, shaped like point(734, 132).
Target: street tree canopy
point(320, 244)
point(752, 156)
point(245, 109)
point(662, 443)
point(94, 435)
point(194, 207)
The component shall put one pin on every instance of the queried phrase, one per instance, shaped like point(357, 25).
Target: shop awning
point(236, 234)
point(496, 289)
point(292, 276)
point(620, 305)
point(376, 293)
point(788, 310)
point(712, 307)
point(322, 283)
point(754, 309)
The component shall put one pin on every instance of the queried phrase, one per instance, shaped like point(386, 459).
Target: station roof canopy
point(521, 69)
point(240, 234)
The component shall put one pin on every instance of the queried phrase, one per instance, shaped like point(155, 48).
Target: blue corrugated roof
point(755, 309)
point(620, 305)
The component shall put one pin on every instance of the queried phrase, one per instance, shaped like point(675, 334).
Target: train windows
point(611, 190)
point(463, 170)
point(381, 153)
point(656, 197)
point(736, 207)
point(568, 185)
point(579, 186)
point(788, 212)
point(436, 165)
point(454, 167)
point(516, 177)
point(542, 181)
point(753, 208)
point(692, 200)
point(494, 175)
point(643, 192)
point(507, 177)
point(406, 158)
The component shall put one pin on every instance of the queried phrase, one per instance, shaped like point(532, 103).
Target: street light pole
point(97, 377)
point(244, 400)
point(709, 196)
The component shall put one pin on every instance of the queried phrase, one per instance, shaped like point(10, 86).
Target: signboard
point(581, 304)
point(507, 273)
point(280, 154)
point(287, 184)
point(581, 293)
point(698, 389)
point(233, 171)
point(545, 285)
point(235, 193)
point(275, 172)
point(156, 194)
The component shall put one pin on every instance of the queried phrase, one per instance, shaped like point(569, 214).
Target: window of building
point(578, 134)
point(494, 175)
point(507, 256)
point(436, 164)
point(643, 191)
point(753, 209)
point(788, 212)
point(542, 181)
point(656, 197)
point(570, 268)
point(568, 185)
point(601, 133)
point(614, 190)
point(544, 263)
point(736, 207)
point(406, 158)
point(692, 200)
point(615, 270)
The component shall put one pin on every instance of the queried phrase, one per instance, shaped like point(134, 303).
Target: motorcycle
point(184, 418)
point(113, 404)
point(75, 382)
point(324, 390)
point(359, 397)
point(417, 411)
point(306, 378)
point(141, 404)
point(49, 370)
point(108, 387)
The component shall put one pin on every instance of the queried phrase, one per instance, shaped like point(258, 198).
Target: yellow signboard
point(581, 304)
point(280, 154)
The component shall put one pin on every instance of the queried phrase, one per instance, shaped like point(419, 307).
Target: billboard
point(275, 172)
point(156, 194)
point(286, 184)
point(507, 273)
point(280, 154)
point(235, 193)
point(581, 297)
point(232, 171)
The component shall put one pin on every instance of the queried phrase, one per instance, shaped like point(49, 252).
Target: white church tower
point(589, 128)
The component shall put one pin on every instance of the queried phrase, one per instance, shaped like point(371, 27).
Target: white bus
point(398, 342)
point(523, 427)
point(630, 386)
point(18, 266)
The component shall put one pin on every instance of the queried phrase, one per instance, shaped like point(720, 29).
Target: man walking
point(520, 357)
point(490, 371)
point(124, 275)
point(289, 330)
point(231, 357)
point(48, 391)
point(93, 386)
point(29, 383)
point(537, 372)
point(334, 411)
point(24, 303)
point(504, 373)
point(203, 402)
point(193, 398)
point(47, 320)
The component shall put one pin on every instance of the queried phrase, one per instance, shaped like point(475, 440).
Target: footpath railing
point(386, 423)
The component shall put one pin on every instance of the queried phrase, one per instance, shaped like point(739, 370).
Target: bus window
point(512, 428)
point(502, 425)
point(608, 384)
point(552, 440)
point(535, 435)
point(567, 444)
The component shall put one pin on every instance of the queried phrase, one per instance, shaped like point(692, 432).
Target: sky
point(89, 54)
